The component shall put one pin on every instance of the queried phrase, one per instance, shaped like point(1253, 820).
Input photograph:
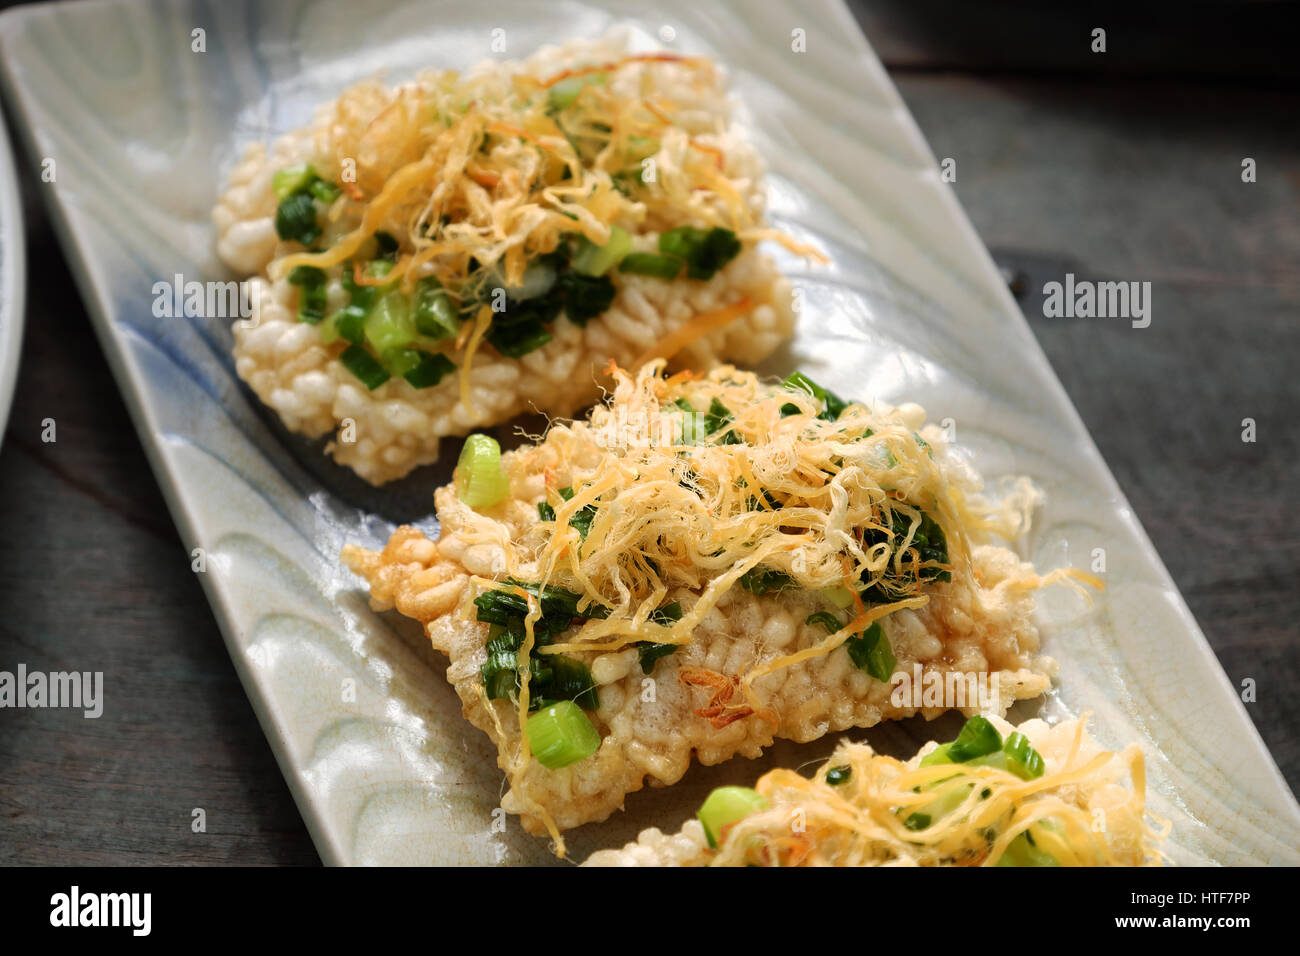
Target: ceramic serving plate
point(13, 278)
point(142, 129)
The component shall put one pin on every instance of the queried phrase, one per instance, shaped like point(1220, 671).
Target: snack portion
point(706, 564)
point(995, 796)
point(460, 249)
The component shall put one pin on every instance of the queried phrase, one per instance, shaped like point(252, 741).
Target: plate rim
point(13, 278)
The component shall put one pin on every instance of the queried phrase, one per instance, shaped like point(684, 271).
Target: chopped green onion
point(841, 597)
point(364, 366)
point(516, 341)
point(872, 653)
point(641, 147)
point(326, 192)
point(568, 679)
point(422, 369)
point(726, 806)
point(480, 482)
point(936, 756)
point(500, 672)
point(312, 303)
point(581, 521)
point(833, 405)
point(761, 580)
point(389, 324)
point(306, 276)
point(359, 295)
point(649, 652)
point(838, 775)
point(565, 93)
point(977, 738)
point(940, 807)
point(585, 297)
point(559, 608)
point(295, 219)
point(434, 314)
point(649, 264)
point(668, 614)
point(826, 619)
point(693, 430)
point(313, 298)
point(705, 251)
point(931, 546)
point(1022, 759)
point(292, 180)
point(590, 259)
point(1016, 756)
point(1022, 851)
point(917, 821)
point(349, 323)
point(716, 419)
point(561, 734)
point(378, 268)
point(582, 518)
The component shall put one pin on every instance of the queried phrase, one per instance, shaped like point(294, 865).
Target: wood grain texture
point(1139, 181)
point(93, 577)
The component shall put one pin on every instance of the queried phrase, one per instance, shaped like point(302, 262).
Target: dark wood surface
point(1122, 173)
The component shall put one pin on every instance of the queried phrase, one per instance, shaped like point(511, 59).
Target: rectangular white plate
point(142, 130)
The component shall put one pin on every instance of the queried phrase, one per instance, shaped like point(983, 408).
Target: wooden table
point(1102, 174)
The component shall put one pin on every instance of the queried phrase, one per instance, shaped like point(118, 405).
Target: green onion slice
point(1022, 759)
point(435, 315)
point(292, 180)
point(422, 369)
point(295, 219)
point(389, 324)
point(480, 482)
point(841, 597)
point(1017, 756)
point(312, 303)
point(705, 251)
point(977, 738)
point(307, 276)
point(590, 259)
point(838, 775)
point(565, 93)
point(872, 652)
point(348, 323)
point(726, 806)
point(364, 366)
point(561, 734)
point(762, 580)
point(649, 264)
point(1022, 851)
point(826, 619)
point(833, 405)
point(585, 297)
